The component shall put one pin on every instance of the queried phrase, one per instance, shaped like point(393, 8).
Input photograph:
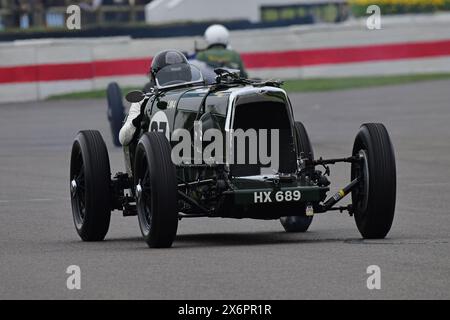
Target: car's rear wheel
point(304, 148)
point(116, 110)
point(374, 198)
point(90, 177)
point(156, 190)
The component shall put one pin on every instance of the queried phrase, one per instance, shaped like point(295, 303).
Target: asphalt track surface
point(226, 258)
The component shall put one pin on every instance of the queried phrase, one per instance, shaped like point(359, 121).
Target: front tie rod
point(322, 162)
point(339, 195)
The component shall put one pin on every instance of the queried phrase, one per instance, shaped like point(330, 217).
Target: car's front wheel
point(156, 190)
point(90, 178)
point(374, 198)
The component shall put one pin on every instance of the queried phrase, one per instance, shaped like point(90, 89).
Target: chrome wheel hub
point(138, 191)
point(73, 186)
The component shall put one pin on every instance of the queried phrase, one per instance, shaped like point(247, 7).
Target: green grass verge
point(301, 85)
point(325, 84)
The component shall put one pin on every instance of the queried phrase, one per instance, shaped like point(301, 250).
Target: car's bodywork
point(234, 190)
point(162, 188)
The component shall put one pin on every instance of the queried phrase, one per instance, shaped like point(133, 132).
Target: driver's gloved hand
point(137, 121)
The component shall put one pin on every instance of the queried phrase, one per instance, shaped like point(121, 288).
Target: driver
point(218, 54)
point(176, 69)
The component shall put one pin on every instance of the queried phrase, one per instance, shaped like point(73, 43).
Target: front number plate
point(276, 196)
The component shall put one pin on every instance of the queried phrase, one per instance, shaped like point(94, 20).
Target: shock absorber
point(340, 194)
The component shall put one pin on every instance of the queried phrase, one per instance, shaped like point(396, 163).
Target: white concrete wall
point(48, 52)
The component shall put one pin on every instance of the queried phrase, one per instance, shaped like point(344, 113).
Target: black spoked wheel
point(374, 199)
point(143, 187)
point(304, 148)
point(90, 176)
point(156, 190)
point(116, 110)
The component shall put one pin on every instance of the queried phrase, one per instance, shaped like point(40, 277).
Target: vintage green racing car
point(178, 166)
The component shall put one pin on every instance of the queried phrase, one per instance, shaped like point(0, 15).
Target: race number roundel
point(160, 123)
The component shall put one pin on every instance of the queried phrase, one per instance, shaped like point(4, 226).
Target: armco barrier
point(35, 69)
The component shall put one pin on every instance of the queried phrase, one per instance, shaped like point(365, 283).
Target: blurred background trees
point(390, 7)
point(51, 14)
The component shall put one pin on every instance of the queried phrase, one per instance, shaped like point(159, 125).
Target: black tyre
point(116, 110)
point(156, 190)
point(374, 199)
point(303, 144)
point(302, 141)
point(90, 177)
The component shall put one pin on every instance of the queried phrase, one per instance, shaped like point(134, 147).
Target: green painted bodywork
point(238, 200)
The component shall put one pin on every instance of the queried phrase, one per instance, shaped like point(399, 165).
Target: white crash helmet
point(217, 34)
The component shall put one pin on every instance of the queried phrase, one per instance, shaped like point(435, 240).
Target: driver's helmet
point(217, 34)
point(174, 65)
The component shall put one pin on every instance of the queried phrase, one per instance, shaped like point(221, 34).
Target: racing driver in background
point(217, 53)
